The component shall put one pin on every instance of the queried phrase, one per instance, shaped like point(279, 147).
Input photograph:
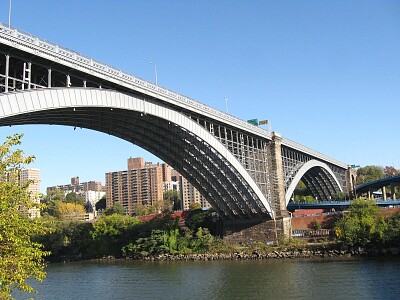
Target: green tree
point(390, 171)
point(74, 198)
point(369, 173)
point(50, 201)
point(117, 208)
point(69, 211)
point(20, 257)
point(194, 206)
point(362, 226)
point(111, 233)
point(173, 197)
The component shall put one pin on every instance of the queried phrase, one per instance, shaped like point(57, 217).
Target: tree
point(173, 197)
point(20, 257)
point(50, 201)
point(117, 208)
point(362, 226)
point(390, 171)
point(369, 173)
point(111, 233)
point(74, 198)
point(194, 206)
point(69, 211)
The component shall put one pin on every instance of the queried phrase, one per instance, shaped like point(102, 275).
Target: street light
point(9, 16)
point(226, 103)
point(155, 71)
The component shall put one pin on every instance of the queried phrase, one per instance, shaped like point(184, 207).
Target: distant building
point(189, 194)
point(141, 184)
point(33, 175)
point(171, 186)
point(92, 197)
point(92, 191)
point(77, 187)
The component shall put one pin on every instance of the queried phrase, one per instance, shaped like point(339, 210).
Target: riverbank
point(260, 255)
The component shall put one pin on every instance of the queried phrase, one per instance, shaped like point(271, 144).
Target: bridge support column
point(351, 176)
point(384, 192)
point(392, 191)
point(282, 219)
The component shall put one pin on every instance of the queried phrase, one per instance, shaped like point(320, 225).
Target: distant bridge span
point(245, 172)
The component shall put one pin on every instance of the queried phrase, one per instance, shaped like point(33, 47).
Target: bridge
point(337, 205)
point(246, 173)
point(369, 187)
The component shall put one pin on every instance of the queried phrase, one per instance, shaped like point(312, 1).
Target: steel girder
point(170, 135)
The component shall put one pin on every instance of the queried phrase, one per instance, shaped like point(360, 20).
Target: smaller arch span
point(326, 175)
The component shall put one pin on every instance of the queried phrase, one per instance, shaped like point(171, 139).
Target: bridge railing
point(125, 77)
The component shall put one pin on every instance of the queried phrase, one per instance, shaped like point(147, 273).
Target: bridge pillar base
point(268, 232)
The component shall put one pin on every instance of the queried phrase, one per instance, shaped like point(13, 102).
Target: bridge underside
point(200, 163)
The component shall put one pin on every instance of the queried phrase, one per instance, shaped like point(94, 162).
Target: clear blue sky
point(326, 73)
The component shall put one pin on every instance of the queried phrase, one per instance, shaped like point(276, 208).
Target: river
point(266, 279)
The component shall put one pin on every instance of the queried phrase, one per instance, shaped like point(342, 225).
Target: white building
point(92, 197)
point(171, 186)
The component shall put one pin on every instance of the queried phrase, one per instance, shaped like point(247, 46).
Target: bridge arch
point(168, 134)
point(319, 178)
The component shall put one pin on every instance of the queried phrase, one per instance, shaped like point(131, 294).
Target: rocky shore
point(259, 255)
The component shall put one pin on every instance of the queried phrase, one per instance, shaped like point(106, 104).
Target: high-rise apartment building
point(33, 175)
point(142, 184)
point(189, 194)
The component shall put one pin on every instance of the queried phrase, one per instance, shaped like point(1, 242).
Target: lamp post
point(9, 16)
point(155, 71)
point(226, 103)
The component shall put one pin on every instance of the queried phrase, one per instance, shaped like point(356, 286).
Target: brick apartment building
point(142, 184)
point(32, 174)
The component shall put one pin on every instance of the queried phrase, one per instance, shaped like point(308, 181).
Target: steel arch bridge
point(246, 173)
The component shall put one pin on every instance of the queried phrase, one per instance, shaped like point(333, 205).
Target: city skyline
point(325, 75)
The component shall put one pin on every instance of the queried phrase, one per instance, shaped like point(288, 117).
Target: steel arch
point(205, 156)
point(327, 175)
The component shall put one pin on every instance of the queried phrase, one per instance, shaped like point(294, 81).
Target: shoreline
point(254, 255)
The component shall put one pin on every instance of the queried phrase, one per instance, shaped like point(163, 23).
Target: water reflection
point(268, 279)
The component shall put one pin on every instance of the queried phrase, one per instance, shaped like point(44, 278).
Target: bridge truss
point(244, 179)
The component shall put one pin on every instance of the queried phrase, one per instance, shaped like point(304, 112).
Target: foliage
point(67, 239)
point(339, 196)
point(111, 233)
point(171, 242)
point(301, 191)
point(20, 256)
point(194, 206)
point(369, 173)
point(117, 208)
point(201, 218)
point(304, 199)
point(390, 171)
point(69, 211)
point(392, 234)
point(74, 198)
point(362, 226)
point(315, 225)
point(172, 196)
point(50, 201)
